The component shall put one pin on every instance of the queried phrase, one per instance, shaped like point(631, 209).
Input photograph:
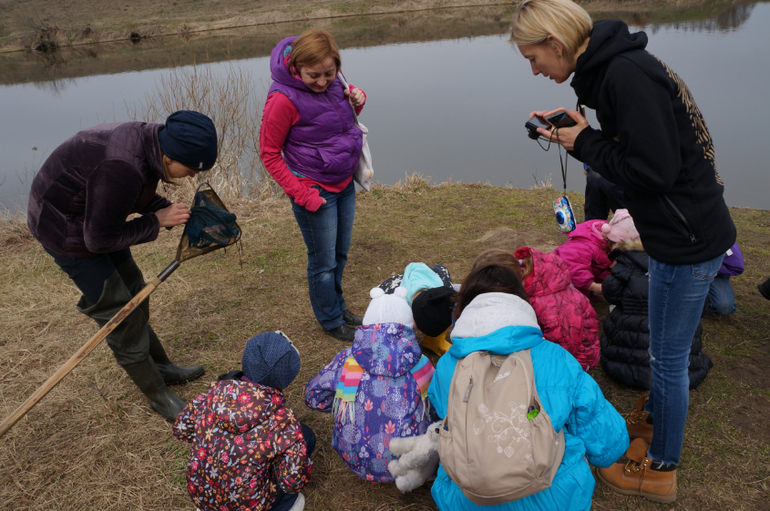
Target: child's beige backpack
point(497, 443)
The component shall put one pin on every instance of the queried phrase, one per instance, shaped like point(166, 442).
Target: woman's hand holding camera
point(565, 137)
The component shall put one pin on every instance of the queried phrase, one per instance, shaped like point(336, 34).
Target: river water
point(452, 108)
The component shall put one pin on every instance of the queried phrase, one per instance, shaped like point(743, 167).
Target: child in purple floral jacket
point(377, 388)
point(248, 450)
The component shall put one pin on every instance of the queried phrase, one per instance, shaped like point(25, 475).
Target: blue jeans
point(327, 234)
point(677, 295)
point(721, 297)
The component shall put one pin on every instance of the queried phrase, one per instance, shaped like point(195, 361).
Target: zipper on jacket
point(693, 239)
point(468, 390)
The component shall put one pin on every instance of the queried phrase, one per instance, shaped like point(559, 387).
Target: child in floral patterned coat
point(377, 388)
point(248, 450)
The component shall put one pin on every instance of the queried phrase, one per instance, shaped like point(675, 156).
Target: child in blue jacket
point(493, 315)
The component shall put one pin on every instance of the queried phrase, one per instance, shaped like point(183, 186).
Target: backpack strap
point(423, 372)
point(347, 388)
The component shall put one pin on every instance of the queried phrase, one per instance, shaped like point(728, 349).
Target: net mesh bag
point(210, 227)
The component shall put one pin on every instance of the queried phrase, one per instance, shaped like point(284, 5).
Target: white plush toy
point(390, 308)
point(418, 459)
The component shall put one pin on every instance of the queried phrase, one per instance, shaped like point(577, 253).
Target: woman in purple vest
point(310, 145)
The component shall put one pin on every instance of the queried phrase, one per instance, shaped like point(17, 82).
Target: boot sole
point(663, 499)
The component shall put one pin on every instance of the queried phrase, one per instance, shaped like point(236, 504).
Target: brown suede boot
point(636, 477)
point(636, 422)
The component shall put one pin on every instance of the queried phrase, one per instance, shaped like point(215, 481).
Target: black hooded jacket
point(654, 143)
point(625, 342)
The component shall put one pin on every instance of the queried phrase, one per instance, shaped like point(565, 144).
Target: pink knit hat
point(621, 227)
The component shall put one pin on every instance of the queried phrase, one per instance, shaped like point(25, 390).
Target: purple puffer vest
point(325, 144)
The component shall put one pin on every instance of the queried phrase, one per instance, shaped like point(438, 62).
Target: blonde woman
point(653, 142)
point(310, 145)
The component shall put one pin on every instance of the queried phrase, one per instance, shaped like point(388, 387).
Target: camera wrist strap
point(561, 162)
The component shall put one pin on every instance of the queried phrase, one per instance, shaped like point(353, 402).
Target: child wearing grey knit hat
point(261, 450)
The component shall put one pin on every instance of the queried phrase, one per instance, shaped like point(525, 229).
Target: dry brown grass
point(94, 443)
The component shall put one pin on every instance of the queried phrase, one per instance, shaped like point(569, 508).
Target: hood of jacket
point(732, 264)
point(549, 274)
point(279, 66)
point(590, 231)
point(386, 349)
point(240, 406)
point(633, 250)
point(608, 39)
point(630, 245)
point(500, 323)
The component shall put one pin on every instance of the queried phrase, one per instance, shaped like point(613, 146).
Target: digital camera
point(533, 124)
point(560, 119)
point(564, 216)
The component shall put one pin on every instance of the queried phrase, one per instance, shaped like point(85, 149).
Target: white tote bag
point(364, 171)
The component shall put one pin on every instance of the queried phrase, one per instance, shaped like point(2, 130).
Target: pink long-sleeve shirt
point(278, 117)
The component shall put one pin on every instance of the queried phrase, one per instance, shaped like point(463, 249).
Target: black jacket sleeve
point(614, 285)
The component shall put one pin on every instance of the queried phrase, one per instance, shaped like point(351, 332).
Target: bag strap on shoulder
point(346, 86)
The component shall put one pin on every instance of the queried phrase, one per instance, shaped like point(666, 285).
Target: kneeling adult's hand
point(175, 214)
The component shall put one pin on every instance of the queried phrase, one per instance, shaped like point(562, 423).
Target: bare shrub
point(47, 36)
point(545, 184)
point(228, 98)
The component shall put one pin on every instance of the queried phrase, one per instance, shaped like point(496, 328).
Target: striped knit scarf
point(347, 387)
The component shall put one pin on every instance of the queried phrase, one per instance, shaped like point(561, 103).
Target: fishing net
point(210, 227)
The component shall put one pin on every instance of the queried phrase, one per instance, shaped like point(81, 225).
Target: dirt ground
point(94, 443)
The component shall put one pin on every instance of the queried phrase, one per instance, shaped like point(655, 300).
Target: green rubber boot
point(146, 376)
point(130, 340)
point(172, 373)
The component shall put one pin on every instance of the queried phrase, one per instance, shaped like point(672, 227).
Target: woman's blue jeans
point(327, 234)
point(677, 295)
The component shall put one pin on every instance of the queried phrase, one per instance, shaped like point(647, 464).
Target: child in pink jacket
point(565, 316)
point(585, 254)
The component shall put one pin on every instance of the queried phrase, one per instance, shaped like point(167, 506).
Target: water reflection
point(727, 21)
point(249, 42)
point(365, 31)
